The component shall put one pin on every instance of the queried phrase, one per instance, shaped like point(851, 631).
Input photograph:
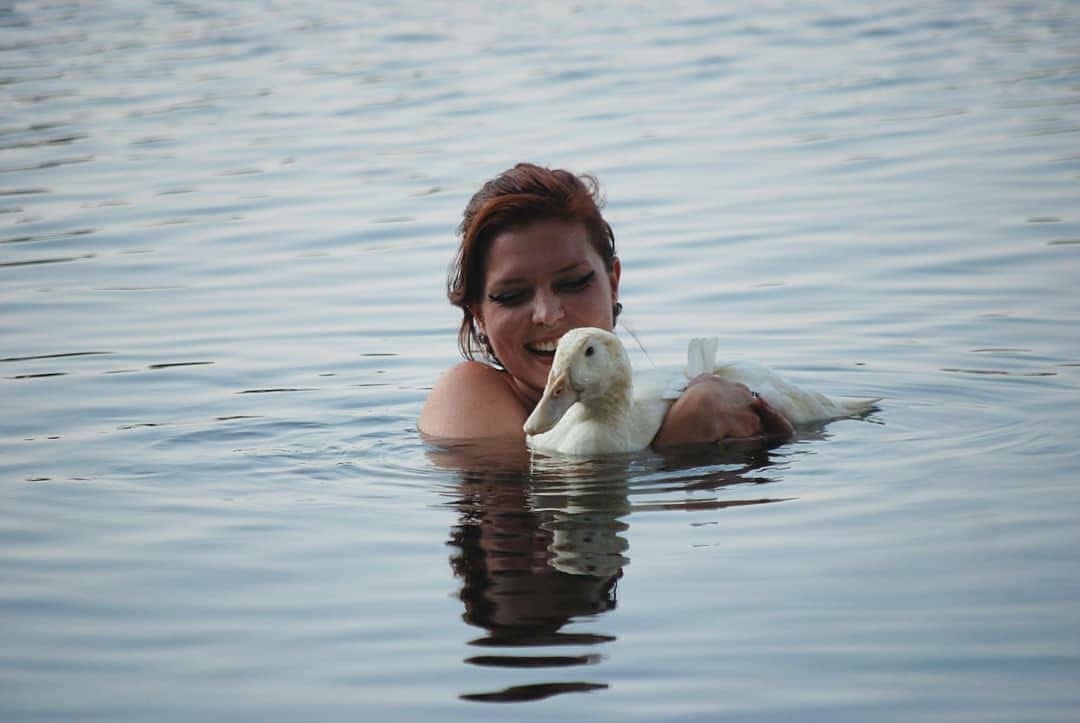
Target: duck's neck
point(611, 407)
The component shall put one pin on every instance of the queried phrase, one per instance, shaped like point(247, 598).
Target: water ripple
point(210, 453)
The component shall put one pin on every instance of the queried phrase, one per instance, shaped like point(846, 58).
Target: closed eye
point(578, 284)
point(571, 286)
point(508, 298)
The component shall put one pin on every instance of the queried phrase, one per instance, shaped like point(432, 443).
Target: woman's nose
point(547, 309)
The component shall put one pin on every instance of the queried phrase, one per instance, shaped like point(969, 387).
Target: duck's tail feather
point(857, 407)
point(701, 356)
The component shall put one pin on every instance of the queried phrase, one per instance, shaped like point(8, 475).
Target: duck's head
point(590, 366)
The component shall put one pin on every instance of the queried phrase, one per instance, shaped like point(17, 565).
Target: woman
point(536, 260)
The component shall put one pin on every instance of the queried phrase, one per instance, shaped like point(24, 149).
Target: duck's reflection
point(539, 545)
point(527, 571)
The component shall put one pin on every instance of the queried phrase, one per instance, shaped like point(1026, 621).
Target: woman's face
point(541, 281)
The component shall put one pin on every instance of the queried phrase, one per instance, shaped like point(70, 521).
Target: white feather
point(618, 411)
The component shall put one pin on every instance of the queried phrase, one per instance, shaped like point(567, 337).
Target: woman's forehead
point(546, 247)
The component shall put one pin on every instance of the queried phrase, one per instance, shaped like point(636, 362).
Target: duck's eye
point(588, 351)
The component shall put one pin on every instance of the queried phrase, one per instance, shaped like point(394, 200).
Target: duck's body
point(799, 406)
point(593, 403)
point(627, 425)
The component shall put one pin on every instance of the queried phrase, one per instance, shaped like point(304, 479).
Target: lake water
point(224, 232)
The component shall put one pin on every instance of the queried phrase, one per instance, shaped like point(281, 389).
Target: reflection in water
point(540, 543)
point(531, 563)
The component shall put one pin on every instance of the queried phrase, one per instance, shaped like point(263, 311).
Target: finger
point(774, 423)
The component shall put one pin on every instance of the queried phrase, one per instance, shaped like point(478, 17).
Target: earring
point(486, 343)
point(616, 310)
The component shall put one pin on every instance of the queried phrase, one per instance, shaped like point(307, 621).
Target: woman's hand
point(712, 409)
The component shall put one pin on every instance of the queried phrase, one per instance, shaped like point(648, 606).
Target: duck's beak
point(558, 397)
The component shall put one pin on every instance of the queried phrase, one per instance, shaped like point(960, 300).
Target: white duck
point(592, 406)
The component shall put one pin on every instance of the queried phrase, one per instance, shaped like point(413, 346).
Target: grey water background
point(224, 230)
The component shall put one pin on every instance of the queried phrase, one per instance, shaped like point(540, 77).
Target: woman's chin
point(540, 366)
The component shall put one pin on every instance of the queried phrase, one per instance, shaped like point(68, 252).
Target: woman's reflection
point(527, 571)
point(540, 545)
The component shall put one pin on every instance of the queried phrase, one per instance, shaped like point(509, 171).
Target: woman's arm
point(473, 400)
point(712, 409)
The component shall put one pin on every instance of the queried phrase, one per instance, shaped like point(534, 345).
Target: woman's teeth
point(545, 347)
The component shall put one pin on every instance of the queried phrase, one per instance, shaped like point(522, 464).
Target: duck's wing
point(663, 383)
point(797, 404)
point(670, 382)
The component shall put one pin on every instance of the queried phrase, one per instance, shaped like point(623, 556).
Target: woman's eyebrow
point(571, 267)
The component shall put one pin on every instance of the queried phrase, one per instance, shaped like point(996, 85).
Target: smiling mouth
point(543, 348)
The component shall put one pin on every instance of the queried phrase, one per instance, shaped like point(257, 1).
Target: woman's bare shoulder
point(473, 400)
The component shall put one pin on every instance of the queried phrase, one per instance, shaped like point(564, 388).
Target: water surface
point(224, 231)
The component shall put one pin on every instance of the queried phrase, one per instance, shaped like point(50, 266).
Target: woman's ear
point(613, 278)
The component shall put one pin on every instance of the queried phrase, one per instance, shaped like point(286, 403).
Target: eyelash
point(514, 298)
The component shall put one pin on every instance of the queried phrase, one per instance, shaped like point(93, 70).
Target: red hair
point(516, 198)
